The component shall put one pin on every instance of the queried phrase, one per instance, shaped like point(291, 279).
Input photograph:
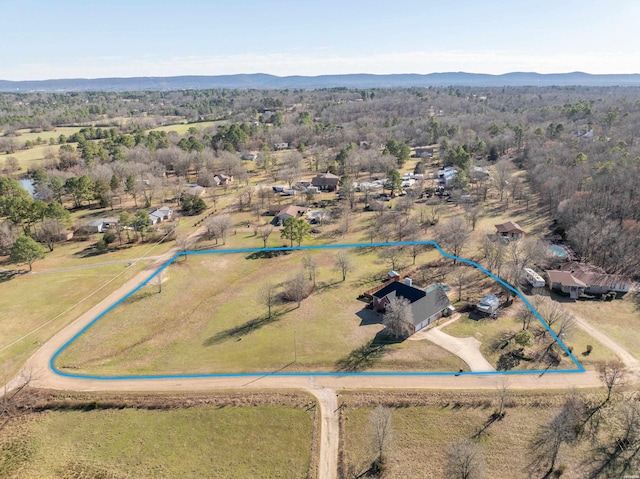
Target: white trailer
point(534, 278)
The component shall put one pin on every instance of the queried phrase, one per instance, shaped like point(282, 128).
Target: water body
point(558, 251)
point(27, 184)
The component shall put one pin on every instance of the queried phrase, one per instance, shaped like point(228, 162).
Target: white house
point(447, 176)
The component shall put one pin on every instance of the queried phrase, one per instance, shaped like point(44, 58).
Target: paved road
point(467, 349)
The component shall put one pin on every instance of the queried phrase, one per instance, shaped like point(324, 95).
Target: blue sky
point(93, 38)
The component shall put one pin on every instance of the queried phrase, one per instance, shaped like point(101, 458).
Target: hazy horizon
point(139, 38)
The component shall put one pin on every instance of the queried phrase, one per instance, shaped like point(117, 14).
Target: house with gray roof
point(98, 225)
point(425, 305)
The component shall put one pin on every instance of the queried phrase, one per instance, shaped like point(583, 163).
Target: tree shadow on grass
point(238, 332)
point(366, 355)
point(139, 297)
point(262, 254)
point(328, 287)
point(7, 275)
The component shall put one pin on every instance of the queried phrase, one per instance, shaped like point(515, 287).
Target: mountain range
point(360, 80)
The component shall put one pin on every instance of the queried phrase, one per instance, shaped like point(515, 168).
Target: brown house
point(576, 278)
point(510, 230)
point(326, 181)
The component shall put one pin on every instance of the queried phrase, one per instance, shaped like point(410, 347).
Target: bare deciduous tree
point(392, 254)
point(398, 317)
point(453, 236)
point(343, 263)
point(217, 227)
point(465, 460)
point(268, 296)
point(264, 232)
point(381, 432)
point(502, 176)
point(547, 444)
point(310, 263)
point(296, 288)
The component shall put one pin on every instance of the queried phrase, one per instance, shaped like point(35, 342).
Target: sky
point(46, 39)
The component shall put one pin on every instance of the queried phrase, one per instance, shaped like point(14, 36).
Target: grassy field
point(208, 319)
point(197, 442)
point(31, 158)
point(619, 319)
point(64, 285)
point(182, 128)
point(423, 427)
point(34, 307)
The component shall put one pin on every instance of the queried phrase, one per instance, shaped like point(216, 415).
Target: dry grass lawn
point(208, 319)
point(196, 442)
point(424, 425)
point(619, 319)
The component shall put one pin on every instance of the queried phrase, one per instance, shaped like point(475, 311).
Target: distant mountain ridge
point(358, 80)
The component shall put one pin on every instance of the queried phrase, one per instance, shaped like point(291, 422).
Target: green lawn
point(198, 442)
point(208, 319)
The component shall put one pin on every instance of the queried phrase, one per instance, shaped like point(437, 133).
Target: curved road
point(467, 349)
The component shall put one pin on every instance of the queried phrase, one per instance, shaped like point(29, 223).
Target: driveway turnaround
point(467, 349)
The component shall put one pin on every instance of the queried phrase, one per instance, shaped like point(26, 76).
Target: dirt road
point(627, 359)
point(323, 387)
point(329, 432)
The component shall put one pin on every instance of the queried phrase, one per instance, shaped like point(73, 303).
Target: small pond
point(558, 251)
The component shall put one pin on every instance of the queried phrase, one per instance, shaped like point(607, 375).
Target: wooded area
point(577, 144)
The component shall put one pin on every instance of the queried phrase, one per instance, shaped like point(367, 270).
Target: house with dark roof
point(222, 179)
point(326, 181)
point(510, 230)
point(425, 305)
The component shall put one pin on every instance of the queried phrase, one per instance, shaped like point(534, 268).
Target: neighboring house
point(425, 305)
point(447, 176)
point(161, 214)
point(222, 179)
point(281, 146)
point(510, 230)
point(194, 190)
point(489, 304)
point(290, 211)
point(565, 282)
point(423, 151)
point(576, 278)
point(248, 155)
point(98, 225)
point(479, 174)
point(326, 181)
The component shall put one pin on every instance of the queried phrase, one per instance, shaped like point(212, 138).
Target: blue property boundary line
point(580, 368)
